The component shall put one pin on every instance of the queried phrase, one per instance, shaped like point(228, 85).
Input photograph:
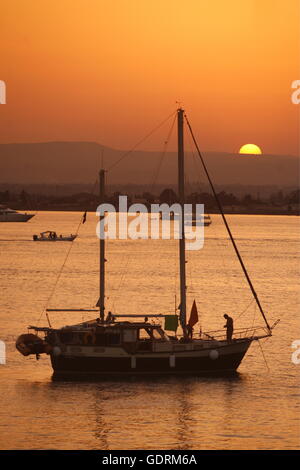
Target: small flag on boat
point(84, 218)
point(171, 322)
point(194, 315)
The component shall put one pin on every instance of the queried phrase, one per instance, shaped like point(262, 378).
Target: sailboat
point(131, 345)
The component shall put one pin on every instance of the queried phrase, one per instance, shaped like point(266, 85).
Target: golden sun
point(250, 149)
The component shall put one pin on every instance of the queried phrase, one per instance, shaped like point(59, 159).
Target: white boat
point(116, 347)
point(51, 236)
point(10, 215)
point(205, 219)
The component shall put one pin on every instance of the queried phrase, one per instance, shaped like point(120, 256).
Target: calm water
point(258, 409)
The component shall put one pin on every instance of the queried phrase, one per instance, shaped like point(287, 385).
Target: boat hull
point(15, 217)
point(57, 239)
point(209, 361)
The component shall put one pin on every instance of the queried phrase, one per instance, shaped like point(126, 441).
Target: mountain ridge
point(65, 162)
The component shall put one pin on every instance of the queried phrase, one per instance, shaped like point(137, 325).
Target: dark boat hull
point(18, 217)
point(214, 361)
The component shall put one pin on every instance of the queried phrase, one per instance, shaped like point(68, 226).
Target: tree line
point(168, 195)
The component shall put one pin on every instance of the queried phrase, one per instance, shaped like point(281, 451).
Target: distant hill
point(79, 162)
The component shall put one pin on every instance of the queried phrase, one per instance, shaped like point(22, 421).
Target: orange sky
point(109, 71)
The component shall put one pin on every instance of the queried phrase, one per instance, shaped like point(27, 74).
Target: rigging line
point(227, 227)
point(252, 300)
point(254, 315)
point(127, 260)
point(163, 153)
point(141, 141)
point(263, 355)
point(60, 273)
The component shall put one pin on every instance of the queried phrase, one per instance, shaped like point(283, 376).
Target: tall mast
point(182, 261)
point(102, 249)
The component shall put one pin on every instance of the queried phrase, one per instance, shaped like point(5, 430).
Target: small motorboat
point(51, 236)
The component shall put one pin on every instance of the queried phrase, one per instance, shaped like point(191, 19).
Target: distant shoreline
point(237, 211)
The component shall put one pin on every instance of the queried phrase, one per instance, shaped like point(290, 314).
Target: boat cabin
point(131, 336)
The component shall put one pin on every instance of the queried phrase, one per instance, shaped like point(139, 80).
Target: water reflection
point(163, 413)
point(101, 428)
point(183, 428)
point(119, 408)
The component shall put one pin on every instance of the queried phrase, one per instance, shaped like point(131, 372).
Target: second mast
point(181, 195)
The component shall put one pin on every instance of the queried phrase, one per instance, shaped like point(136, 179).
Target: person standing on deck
point(229, 328)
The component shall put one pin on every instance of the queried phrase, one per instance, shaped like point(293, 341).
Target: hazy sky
point(109, 71)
